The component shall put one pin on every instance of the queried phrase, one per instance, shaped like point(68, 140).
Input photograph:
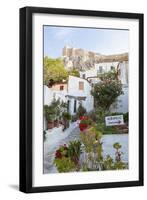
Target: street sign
point(114, 120)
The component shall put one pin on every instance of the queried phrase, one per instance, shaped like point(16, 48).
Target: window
point(61, 87)
point(68, 105)
point(81, 85)
point(84, 76)
point(112, 67)
point(100, 69)
point(75, 106)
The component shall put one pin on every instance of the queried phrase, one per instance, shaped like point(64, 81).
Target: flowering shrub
point(62, 151)
point(91, 138)
point(83, 118)
point(94, 160)
point(67, 157)
point(84, 123)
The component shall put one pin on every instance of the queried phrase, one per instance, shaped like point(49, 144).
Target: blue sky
point(103, 41)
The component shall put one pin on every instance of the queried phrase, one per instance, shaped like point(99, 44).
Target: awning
point(77, 97)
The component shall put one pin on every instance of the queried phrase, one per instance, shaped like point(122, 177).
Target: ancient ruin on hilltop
point(85, 60)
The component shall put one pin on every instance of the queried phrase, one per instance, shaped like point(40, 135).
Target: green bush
point(81, 111)
point(110, 130)
point(49, 113)
point(65, 164)
point(67, 157)
point(109, 164)
point(66, 116)
point(116, 145)
point(74, 151)
point(116, 113)
point(126, 117)
point(92, 115)
point(84, 122)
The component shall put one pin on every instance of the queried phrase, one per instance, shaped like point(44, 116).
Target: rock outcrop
point(85, 60)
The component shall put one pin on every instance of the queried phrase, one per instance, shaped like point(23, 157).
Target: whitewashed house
point(54, 92)
point(58, 91)
point(74, 92)
point(79, 92)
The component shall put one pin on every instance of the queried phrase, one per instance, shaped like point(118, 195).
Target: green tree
point(54, 70)
point(106, 91)
point(74, 72)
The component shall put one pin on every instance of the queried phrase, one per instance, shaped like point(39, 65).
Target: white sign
point(114, 120)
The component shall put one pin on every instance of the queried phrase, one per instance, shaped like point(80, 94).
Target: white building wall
point(88, 73)
point(106, 66)
point(123, 66)
point(50, 94)
point(73, 90)
point(122, 103)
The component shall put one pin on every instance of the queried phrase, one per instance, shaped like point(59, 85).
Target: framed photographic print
point(81, 99)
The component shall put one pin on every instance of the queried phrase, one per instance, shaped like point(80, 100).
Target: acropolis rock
point(84, 60)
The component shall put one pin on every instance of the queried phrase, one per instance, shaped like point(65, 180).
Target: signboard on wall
point(114, 120)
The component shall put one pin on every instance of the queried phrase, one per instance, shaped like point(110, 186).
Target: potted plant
point(81, 111)
point(84, 123)
point(74, 151)
point(56, 123)
point(66, 118)
point(83, 118)
point(117, 146)
point(56, 107)
point(49, 115)
point(57, 113)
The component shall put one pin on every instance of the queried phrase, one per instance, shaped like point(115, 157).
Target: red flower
point(58, 154)
point(84, 118)
point(83, 127)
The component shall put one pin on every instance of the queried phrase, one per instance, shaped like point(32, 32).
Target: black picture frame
point(26, 89)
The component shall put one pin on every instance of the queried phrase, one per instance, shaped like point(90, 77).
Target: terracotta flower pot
point(50, 125)
point(56, 123)
point(82, 127)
